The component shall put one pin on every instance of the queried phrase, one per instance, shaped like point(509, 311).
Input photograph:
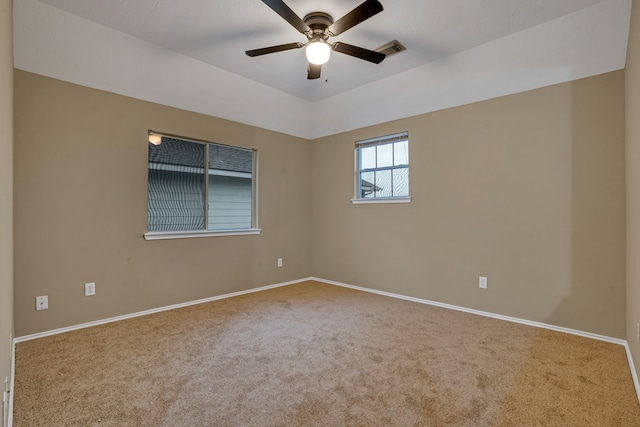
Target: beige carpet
point(313, 354)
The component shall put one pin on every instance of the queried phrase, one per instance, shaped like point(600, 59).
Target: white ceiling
point(190, 54)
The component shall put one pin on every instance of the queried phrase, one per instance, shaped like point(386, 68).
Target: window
point(199, 188)
point(382, 169)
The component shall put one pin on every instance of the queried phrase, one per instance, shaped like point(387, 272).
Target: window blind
point(396, 137)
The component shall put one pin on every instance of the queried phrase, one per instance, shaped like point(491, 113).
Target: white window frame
point(382, 140)
point(187, 234)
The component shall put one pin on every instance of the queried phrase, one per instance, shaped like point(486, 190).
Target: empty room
point(320, 213)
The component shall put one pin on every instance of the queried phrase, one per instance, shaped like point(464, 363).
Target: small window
point(199, 188)
point(382, 169)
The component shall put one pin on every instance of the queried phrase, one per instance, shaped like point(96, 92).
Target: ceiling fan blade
point(361, 13)
point(313, 71)
point(274, 49)
point(359, 52)
point(279, 7)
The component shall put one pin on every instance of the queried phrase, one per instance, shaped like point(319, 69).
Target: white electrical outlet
point(482, 282)
point(42, 302)
point(279, 262)
point(89, 289)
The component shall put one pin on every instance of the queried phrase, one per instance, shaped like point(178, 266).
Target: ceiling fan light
point(155, 139)
point(318, 52)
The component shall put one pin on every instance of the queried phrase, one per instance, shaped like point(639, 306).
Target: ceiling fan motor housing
point(318, 22)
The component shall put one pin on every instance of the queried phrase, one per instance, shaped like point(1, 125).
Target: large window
point(199, 188)
point(382, 169)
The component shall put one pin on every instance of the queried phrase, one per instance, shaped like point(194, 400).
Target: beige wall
point(81, 208)
point(632, 81)
point(526, 189)
point(6, 189)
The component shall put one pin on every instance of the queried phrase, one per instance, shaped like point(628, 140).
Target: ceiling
point(505, 45)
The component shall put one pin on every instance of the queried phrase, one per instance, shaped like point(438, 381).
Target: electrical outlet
point(482, 282)
point(279, 262)
point(42, 302)
point(89, 289)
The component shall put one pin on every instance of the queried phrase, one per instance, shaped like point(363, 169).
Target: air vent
point(391, 48)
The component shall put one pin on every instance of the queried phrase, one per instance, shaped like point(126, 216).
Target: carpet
point(313, 354)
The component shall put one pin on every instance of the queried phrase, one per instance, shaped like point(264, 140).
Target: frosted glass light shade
point(318, 52)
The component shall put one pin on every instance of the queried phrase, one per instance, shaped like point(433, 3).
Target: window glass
point(401, 182)
point(176, 186)
point(368, 158)
point(199, 186)
point(401, 153)
point(384, 183)
point(230, 188)
point(383, 167)
point(385, 155)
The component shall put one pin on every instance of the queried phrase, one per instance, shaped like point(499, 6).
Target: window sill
point(165, 235)
point(381, 200)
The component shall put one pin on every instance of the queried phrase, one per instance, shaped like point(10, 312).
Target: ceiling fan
point(318, 27)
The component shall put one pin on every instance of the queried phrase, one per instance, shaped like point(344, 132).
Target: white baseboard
point(501, 317)
point(330, 282)
point(632, 366)
point(479, 312)
point(151, 311)
point(12, 382)
point(118, 318)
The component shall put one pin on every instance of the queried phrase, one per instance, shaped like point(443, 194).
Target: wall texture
point(527, 190)
point(6, 189)
point(632, 82)
point(81, 208)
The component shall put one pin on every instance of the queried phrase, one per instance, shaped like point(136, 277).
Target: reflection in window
point(199, 186)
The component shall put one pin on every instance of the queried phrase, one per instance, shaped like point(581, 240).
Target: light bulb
point(318, 52)
point(155, 139)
